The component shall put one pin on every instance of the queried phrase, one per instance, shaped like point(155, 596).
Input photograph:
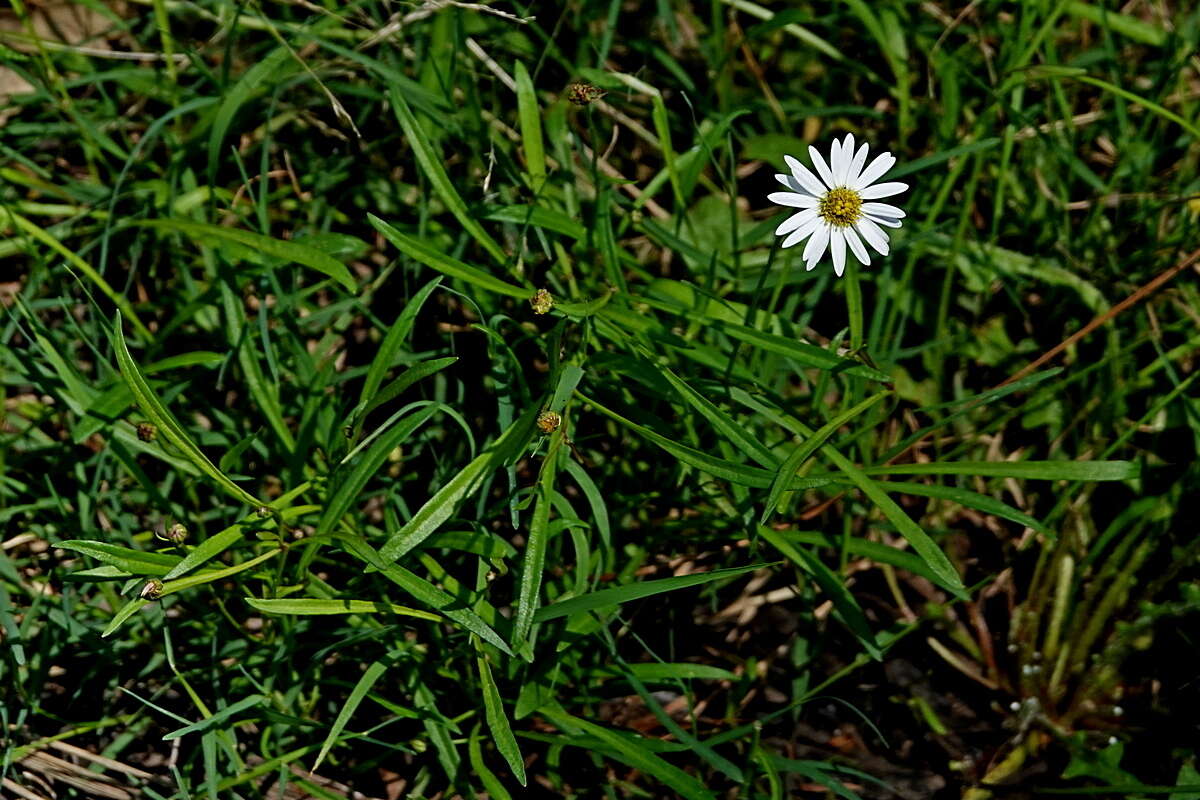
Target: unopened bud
point(177, 534)
point(152, 590)
point(548, 421)
point(146, 432)
point(583, 94)
point(542, 302)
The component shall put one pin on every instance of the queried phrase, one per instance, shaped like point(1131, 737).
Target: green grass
point(277, 279)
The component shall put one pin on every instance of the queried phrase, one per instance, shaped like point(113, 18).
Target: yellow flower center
point(840, 206)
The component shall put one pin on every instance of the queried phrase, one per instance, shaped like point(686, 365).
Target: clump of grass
point(510, 451)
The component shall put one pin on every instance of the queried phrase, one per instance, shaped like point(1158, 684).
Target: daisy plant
point(838, 212)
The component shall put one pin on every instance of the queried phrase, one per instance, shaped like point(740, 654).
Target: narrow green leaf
point(921, 542)
point(135, 562)
point(939, 564)
point(391, 345)
point(531, 130)
point(738, 435)
point(491, 784)
point(317, 607)
point(445, 501)
point(430, 162)
point(373, 672)
point(171, 430)
point(844, 604)
point(1032, 470)
point(875, 551)
point(497, 721)
point(205, 235)
point(606, 598)
point(807, 354)
point(216, 719)
point(535, 548)
point(218, 543)
point(211, 576)
point(397, 385)
point(277, 65)
point(128, 610)
point(567, 381)
point(654, 671)
point(965, 497)
point(350, 482)
point(626, 748)
point(787, 472)
point(538, 217)
point(45, 237)
point(438, 260)
point(423, 590)
point(717, 467)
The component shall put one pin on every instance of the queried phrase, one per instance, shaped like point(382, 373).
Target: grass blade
point(502, 733)
point(431, 162)
point(787, 472)
point(844, 604)
point(606, 598)
point(373, 672)
point(204, 234)
point(445, 501)
point(535, 549)
point(318, 607)
point(350, 483)
point(391, 345)
point(170, 429)
point(436, 259)
point(531, 131)
point(625, 748)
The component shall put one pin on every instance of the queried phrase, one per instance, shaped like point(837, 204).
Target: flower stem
point(854, 305)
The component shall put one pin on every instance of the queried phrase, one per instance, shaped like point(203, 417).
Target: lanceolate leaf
point(436, 259)
point(626, 748)
point(606, 598)
point(294, 252)
point(497, 721)
point(442, 505)
point(171, 430)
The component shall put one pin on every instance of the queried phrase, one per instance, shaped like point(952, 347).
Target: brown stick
point(1138, 295)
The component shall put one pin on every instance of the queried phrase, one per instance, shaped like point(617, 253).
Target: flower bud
point(583, 94)
point(542, 302)
point(548, 421)
point(146, 432)
point(177, 534)
point(152, 590)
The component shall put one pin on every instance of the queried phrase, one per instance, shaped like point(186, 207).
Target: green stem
point(854, 305)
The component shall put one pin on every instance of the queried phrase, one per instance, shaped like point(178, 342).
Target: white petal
point(795, 221)
point(883, 210)
point(804, 176)
point(837, 243)
point(809, 266)
point(841, 170)
point(873, 234)
point(791, 183)
point(886, 221)
point(835, 161)
point(793, 199)
point(856, 166)
point(817, 244)
point(803, 232)
point(882, 163)
point(882, 190)
point(856, 246)
point(822, 168)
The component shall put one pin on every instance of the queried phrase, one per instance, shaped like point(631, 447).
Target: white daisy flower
point(835, 209)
